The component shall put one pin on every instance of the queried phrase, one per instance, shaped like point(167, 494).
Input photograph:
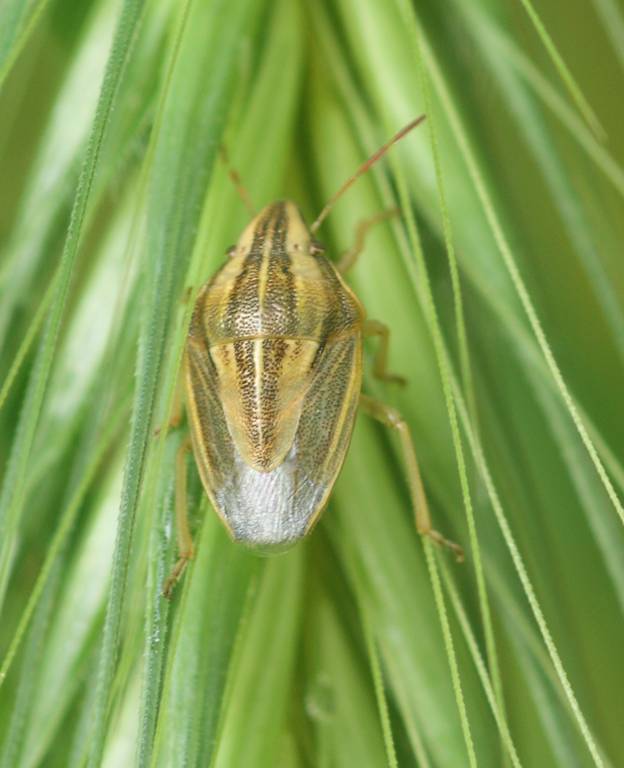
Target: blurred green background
point(502, 283)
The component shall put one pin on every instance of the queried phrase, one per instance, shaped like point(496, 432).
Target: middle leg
point(380, 363)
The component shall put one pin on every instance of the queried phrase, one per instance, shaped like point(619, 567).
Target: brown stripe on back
point(243, 303)
point(273, 354)
point(262, 386)
point(246, 384)
point(280, 300)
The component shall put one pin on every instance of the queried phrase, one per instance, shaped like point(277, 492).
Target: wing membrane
point(274, 509)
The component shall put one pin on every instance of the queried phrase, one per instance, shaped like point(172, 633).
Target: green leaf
point(500, 283)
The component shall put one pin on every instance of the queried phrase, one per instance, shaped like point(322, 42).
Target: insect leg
point(235, 178)
point(348, 258)
point(185, 541)
point(392, 418)
point(176, 411)
point(380, 364)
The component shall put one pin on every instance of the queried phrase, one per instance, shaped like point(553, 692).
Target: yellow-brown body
point(273, 377)
point(273, 370)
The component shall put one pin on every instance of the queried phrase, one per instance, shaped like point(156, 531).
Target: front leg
point(348, 258)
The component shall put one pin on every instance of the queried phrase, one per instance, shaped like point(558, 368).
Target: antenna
point(236, 181)
point(363, 168)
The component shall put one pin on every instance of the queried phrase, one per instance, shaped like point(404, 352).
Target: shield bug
point(273, 373)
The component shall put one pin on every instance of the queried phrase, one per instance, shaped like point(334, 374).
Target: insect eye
point(316, 247)
point(230, 251)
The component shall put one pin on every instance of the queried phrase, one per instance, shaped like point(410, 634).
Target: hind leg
point(393, 419)
point(185, 541)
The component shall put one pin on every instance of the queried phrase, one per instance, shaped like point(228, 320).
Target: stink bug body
point(273, 371)
point(273, 379)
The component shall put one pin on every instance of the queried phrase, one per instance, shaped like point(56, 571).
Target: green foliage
point(502, 283)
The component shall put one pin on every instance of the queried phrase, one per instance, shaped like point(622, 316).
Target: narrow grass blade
point(261, 717)
point(563, 70)
point(613, 22)
point(464, 622)
point(532, 598)
point(382, 703)
point(26, 344)
point(73, 635)
point(520, 286)
point(18, 19)
point(15, 478)
point(173, 222)
point(212, 612)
